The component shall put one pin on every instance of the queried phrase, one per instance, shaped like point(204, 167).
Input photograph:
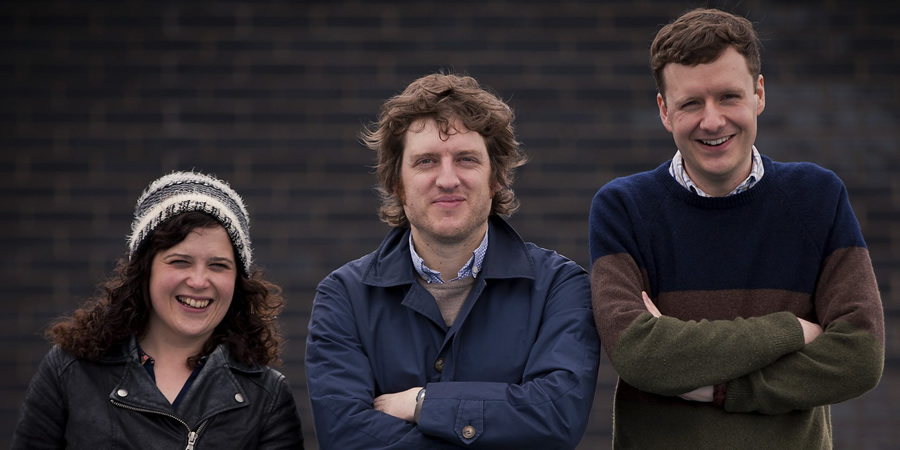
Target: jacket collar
point(127, 350)
point(507, 257)
point(214, 390)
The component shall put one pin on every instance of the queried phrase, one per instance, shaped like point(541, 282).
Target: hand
point(810, 330)
point(701, 394)
point(401, 405)
point(650, 306)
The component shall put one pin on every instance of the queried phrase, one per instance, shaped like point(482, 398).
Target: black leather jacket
point(113, 403)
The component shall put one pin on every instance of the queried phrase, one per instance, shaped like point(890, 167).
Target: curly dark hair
point(123, 306)
point(700, 36)
point(444, 98)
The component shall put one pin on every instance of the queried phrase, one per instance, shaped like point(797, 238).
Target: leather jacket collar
point(215, 389)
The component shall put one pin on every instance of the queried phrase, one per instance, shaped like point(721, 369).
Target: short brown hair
point(699, 37)
point(444, 98)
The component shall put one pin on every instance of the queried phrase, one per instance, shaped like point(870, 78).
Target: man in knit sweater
point(733, 294)
point(454, 333)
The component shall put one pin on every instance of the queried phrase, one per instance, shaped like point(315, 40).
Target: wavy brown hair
point(444, 98)
point(700, 36)
point(122, 308)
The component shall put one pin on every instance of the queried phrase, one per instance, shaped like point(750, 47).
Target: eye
point(179, 262)
point(219, 267)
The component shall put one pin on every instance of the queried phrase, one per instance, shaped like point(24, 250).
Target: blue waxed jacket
point(517, 369)
point(113, 403)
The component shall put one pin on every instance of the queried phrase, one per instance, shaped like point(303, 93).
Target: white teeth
point(194, 303)
point(715, 142)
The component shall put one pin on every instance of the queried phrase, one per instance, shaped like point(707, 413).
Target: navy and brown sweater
point(730, 276)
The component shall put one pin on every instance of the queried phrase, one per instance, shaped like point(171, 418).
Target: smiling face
point(445, 184)
point(711, 111)
point(191, 287)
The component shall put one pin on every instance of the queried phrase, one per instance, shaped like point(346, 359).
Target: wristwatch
point(420, 397)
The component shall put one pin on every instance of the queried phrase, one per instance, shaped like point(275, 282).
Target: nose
point(713, 119)
point(198, 278)
point(447, 178)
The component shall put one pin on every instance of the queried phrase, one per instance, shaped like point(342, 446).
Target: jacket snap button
point(122, 393)
point(439, 364)
point(468, 431)
point(239, 398)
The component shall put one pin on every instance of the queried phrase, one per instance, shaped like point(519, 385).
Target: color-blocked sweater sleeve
point(665, 355)
point(846, 360)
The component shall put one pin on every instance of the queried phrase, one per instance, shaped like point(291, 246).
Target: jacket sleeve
point(342, 385)
point(550, 408)
point(282, 428)
point(43, 417)
point(847, 359)
point(667, 356)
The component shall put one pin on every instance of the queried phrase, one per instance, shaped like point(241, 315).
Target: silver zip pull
point(192, 437)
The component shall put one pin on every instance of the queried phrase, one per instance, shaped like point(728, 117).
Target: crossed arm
point(707, 393)
point(546, 406)
point(766, 362)
point(401, 405)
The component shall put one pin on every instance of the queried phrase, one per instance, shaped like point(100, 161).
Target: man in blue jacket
point(454, 332)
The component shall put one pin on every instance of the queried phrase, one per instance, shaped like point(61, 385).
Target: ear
point(663, 112)
point(761, 95)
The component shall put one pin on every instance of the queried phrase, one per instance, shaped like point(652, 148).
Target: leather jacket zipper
point(192, 434)
point(192, 438)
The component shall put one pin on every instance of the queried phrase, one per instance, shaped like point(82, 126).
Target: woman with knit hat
point(175, 349)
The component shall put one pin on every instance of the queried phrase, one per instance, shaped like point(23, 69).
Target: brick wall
point(100, 97)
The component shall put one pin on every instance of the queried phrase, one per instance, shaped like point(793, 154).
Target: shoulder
point(558, 283)
point(59, 363)
point(808, 189)
point(63, 360)
point(264, 376)
point(632, 184)
point(634, 191)
point(266, 384)
point(804, 176)
point(624, 201)
point(353, 270)
point(274, 382)
point(381, 267)
point(272, 377)
point(352, 273)
point(551, 264)
point(58, 359)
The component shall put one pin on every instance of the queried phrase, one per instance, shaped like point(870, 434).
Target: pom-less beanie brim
point(181, 192)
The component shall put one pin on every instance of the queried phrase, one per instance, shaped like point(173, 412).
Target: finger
point(649, 304)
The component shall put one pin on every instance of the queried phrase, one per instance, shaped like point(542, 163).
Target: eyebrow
point(463, 152)
point(186, 256)
point(221, 259)
point(719, 92)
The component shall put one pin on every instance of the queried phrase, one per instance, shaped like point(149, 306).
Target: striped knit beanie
point(181, 192)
